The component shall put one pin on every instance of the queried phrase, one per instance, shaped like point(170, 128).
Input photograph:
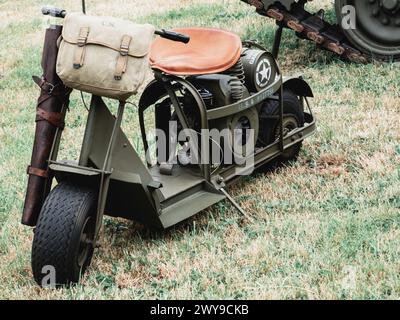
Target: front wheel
point(64, 236)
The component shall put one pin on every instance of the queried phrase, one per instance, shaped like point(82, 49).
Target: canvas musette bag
point(104, 56)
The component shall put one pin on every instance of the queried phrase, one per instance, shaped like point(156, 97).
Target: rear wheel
point(270, 126)
point(64, 235)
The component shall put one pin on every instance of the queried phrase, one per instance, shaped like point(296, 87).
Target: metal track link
point(312, 27)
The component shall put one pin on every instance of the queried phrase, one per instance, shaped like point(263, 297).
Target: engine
point(252, 73)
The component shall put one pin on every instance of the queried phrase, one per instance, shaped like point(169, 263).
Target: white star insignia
point(263, 72)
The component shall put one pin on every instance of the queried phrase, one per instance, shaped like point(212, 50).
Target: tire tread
point(54, 230)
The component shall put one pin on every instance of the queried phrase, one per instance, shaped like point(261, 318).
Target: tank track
point(312, 27)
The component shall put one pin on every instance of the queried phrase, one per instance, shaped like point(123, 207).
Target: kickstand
point(235, 204)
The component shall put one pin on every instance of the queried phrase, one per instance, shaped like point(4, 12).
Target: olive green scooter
point(240, 89)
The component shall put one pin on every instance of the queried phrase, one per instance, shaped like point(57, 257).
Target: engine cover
point(258, 68)
point(238, 140)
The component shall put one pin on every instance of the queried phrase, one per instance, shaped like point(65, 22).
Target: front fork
point(105, 169)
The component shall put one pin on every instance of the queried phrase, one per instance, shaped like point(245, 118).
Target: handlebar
point(174, 36)
point(170, 35)
point(54, 12)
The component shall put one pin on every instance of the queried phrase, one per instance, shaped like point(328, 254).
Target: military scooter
point(206, 79)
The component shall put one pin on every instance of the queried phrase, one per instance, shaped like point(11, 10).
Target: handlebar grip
point(174, 36)
point(54, 12)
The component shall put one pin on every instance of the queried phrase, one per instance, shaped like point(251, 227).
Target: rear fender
point(298, 86)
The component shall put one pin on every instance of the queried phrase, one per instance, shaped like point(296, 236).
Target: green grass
point(327, 227)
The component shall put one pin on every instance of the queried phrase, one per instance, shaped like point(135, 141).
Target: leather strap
point(37, 172)
point(123, 57)
point(49, 88)
point(80, 50)
point(55, 118)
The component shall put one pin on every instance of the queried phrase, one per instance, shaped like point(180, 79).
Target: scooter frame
point(128, 188)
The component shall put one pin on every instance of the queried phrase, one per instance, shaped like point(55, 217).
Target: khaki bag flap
point(108, 32)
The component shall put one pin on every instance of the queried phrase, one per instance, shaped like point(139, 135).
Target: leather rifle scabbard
point(53, 96)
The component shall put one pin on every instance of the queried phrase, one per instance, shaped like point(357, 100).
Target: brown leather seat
point(209, 51)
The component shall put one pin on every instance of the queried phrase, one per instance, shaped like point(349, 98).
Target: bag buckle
point(82, 41)
point(83, 36)
point(124, 50)
point(125, 43)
